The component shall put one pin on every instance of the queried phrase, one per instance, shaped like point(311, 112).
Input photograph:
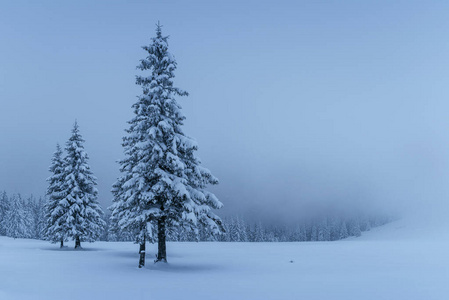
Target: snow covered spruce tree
point(56, 206)
point(4, 207)
point(16, 223)
point(162, 183)
point(81, 214)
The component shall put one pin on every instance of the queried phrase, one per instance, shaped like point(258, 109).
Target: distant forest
point(25, 218)
point(324, 228)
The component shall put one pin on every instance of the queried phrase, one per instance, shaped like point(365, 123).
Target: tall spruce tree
point(56, 206)
point(82, 218)
point(162, 183)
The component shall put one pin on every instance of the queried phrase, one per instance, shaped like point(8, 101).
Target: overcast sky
point(291, 102)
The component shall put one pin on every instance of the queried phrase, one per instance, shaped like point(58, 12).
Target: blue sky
point(290, 101)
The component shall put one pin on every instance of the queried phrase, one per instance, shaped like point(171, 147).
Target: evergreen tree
point(242, 230)
point(302, 233)
point(234, 230)
point(82, 217)
point(107, 225)
point(17, 224)
point(270, 236)
point(162, 183)
point(35, 215)
point(334, 229)
point(354, 227)
point(4, 207)
point(323, 230)
point(314, 233)
point(259, 233)
point(343, 231)
point(39, 217)
point(29, 215)
point(56, 206)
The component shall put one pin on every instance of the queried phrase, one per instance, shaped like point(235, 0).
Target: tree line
point(22, 218)
point(325, 228)
point(28, 218)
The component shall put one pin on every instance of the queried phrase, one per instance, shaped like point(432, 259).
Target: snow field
point(369, 267)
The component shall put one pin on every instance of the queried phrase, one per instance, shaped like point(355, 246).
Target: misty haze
point(235, 150)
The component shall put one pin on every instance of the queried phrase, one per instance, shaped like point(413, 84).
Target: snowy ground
point(387, 263)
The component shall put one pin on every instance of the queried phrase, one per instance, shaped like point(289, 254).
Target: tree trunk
point(142, 254)
point(161, 246)
point(77, 243)
point(62, 244)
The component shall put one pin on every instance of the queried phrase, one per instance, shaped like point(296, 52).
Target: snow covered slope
point(385, 263)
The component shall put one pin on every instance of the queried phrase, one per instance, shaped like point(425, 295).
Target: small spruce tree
point(82, 218)
point(56, 206)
